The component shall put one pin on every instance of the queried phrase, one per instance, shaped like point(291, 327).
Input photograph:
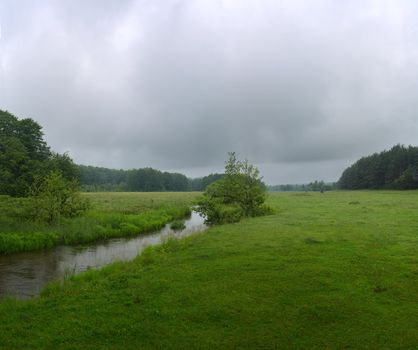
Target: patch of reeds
point(20, 242)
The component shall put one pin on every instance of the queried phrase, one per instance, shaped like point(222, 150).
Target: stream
point(23, 275)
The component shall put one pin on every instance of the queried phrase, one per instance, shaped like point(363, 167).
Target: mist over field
point(302, 89)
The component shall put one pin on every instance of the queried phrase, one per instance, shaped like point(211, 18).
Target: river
point(23, 275)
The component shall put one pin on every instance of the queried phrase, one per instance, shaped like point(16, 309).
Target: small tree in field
point(239, 193)
point(54, 197)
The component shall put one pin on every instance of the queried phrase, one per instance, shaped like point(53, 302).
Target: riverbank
point(111, 215)
point(334, 270)
point(44, 266)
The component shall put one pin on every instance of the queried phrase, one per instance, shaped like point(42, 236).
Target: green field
point(337, 270)
point(110, 215)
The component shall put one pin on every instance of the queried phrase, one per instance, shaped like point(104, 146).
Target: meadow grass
point(337, 270)
point(111, 215)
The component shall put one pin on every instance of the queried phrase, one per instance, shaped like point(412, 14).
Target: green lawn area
point(337, 270)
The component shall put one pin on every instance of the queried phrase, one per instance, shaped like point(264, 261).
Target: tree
point(14, 161)
point(54, 197)
point(393, 169)
point(239, 193)
point(25, 156)
point(64, 164)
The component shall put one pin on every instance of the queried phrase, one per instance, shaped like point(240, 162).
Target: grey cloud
point(177, 84)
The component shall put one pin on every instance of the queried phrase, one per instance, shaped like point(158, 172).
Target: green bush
point(177, 225)
point(263, 209)
point(240, 193)
point(54, 197)
point(230, 213)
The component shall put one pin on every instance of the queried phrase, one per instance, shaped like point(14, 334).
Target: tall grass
point(111, 215)
point(103, 225)
point(20, 242)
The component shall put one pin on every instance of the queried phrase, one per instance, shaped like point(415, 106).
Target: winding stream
point(23, 275)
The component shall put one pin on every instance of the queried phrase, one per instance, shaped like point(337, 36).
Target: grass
point(321, 273)
point(15, 242)
point(111, 215)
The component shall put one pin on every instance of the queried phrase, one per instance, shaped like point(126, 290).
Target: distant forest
point(140, 180)
point(393, 169)
point(316, 186)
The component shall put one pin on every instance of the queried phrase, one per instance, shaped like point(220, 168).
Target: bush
point(264, 209)
point(54, 197)
point(177, 225)
point(239, 193)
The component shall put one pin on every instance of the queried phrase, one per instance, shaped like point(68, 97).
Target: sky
point(302, 89)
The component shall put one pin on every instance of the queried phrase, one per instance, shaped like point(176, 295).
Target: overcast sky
point(300, 88)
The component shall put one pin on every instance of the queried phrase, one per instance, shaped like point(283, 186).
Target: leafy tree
point(240, 192)
point(200, 184)
point(25, 156)
point(14, 166)
point(54, 197)
point(65, 165)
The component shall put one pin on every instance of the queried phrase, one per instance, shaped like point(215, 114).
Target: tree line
point(140, 180)
point(26, 161)
point(393, 169)
point(315, 186)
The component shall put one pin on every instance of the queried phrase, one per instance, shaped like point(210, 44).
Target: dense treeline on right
point(393, 169)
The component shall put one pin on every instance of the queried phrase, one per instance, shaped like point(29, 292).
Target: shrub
point(239, 193)
point(54, 197)
point(177, 225)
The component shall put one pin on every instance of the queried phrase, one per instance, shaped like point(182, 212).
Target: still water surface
point(23, 275)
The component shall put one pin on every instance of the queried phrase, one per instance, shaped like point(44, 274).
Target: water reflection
point(23, 275)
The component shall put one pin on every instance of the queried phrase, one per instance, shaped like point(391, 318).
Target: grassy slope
point(337, 270)
point(111, 215)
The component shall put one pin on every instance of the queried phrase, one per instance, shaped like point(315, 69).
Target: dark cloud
point(300, 88)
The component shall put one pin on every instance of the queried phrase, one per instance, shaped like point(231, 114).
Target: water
point(23, 275)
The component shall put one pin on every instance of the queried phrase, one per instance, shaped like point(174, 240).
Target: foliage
point(322, 274)
point(217, 212)
point(151, 180)
point(315, 186)
point(65, 165)
point(177, 225)
point(21, 242)
point(393, 169)
point(54, 197)
point(109, 215)
point(25, 156)
point(96, 179)
point(240, 192)
point(201, 183)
